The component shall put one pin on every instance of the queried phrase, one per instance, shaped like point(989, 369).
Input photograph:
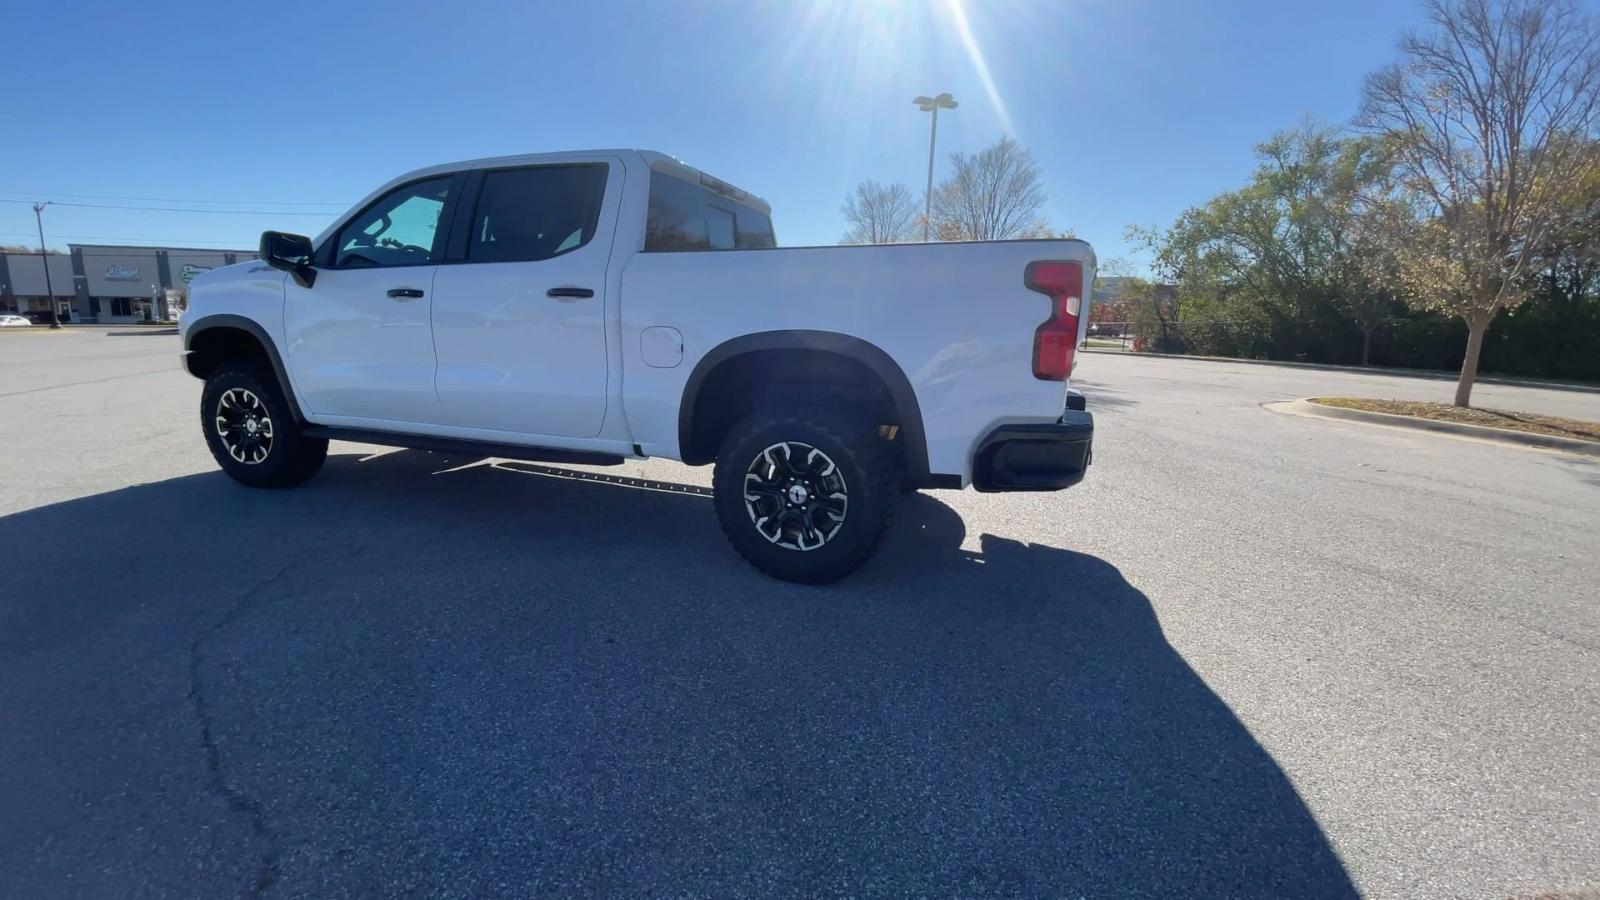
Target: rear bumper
point(1042, 457)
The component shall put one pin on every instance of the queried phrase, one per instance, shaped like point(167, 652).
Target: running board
point(456, 445)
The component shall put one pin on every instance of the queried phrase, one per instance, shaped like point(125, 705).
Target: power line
point(172, 200)
point(223, 212)
point(169, 249)
point(117, 237)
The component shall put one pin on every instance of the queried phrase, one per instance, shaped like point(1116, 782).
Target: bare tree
point(1489, 115)
point(993, 195)
point(880, 214)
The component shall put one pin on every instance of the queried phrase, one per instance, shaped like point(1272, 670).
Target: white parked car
point(13, 321)
point(614, 304)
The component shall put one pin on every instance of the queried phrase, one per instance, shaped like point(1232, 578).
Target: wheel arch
point(219, 337)
point(716, 366)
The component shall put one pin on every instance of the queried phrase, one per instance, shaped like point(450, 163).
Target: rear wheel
point(250, 431)
point(804, 491)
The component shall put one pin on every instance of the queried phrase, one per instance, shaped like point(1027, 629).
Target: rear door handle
point(569, 292)
point(405, 293)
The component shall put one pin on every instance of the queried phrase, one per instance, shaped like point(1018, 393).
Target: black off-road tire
point(849, 440)
point(274, 453)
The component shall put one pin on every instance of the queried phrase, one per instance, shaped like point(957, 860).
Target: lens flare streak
point(958, 15)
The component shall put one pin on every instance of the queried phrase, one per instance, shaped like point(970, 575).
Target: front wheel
point(250, 431)
point(805, 493)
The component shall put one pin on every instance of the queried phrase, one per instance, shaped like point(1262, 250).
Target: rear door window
point(535, 213)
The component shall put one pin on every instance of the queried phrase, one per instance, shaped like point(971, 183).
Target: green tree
point(1556, 331)
point(1285, 252)
point(1490, 116)
point(1144, 308)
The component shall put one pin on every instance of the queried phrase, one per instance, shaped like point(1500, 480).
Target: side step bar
point(468, 448)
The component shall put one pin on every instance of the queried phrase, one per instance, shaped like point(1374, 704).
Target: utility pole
point(933, 105)
point(44, 259)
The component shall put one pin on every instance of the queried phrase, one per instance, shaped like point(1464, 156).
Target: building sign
point(188, 272)
point(119, 272)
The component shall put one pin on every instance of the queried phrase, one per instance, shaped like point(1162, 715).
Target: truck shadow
point(565, 682)
point(1102, 395)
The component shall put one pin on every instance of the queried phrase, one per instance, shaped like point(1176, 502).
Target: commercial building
point(107, 283)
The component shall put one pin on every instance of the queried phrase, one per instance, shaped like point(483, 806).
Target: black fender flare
point(880, 363)
point(216, 321)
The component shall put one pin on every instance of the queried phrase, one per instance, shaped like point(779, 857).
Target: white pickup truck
point(595, 306)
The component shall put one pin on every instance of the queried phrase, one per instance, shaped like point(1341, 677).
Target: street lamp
point(44, 258)
point(933, 105)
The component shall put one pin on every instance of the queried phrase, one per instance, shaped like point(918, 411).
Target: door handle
point(405, 293)
point(580, 292)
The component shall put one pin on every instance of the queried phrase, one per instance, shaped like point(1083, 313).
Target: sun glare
point(844, 50)
point(969, 43)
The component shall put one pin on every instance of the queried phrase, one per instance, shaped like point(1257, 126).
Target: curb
point(1305, 407)
point(1429, 374)
point(152, 327)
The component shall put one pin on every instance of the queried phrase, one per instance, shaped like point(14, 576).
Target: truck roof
point(655, 159)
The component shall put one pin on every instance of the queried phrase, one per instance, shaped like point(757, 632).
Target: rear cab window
point(686, 216)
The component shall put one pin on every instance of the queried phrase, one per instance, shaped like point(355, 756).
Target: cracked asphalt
point(1252, 655)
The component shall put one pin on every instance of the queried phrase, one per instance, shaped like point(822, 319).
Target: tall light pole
point(933, 105)
point(44, 258)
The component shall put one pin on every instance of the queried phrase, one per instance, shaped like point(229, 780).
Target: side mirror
point(291, 253)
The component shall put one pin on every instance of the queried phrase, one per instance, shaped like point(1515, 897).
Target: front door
point(519, 320)
point(361, 337)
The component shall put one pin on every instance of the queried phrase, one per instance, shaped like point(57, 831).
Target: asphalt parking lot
point(1253, 654)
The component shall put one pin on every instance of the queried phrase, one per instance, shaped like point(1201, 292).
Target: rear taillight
point(1055, 342)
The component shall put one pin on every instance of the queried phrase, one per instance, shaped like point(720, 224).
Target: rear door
point(361, 339)
point(519, 320)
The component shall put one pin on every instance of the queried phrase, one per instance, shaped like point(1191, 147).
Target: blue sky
point(1134, 109)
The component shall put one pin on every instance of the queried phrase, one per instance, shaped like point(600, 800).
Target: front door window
point(403, 228)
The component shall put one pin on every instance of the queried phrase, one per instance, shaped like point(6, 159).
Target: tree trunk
point(1366, 344)
point(1469, 366)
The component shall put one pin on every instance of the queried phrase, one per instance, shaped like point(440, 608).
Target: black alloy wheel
point(244, 426)
point(796, 495)
point(251, 431)
point(805, 487)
